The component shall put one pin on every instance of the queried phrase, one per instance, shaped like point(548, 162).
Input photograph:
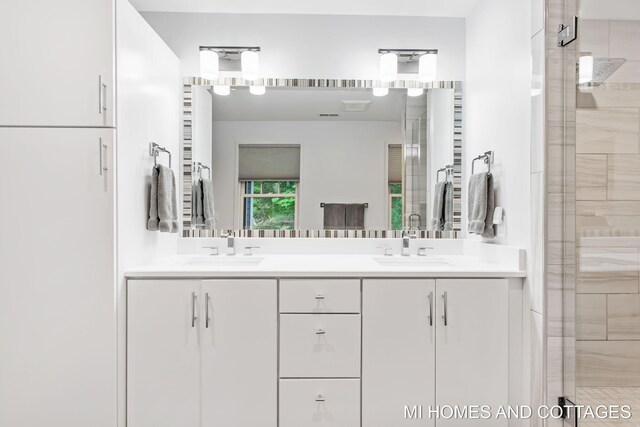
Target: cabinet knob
point(319, 297)
point(320, 398)
point(320, 332)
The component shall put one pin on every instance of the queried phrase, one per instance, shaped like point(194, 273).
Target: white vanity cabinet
point(442, 342)
point(58, 63)
point(202, 353)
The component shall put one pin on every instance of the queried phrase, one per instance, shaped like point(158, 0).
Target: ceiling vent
point(355, 106)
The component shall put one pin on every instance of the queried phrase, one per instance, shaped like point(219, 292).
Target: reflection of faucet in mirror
point(411, 221)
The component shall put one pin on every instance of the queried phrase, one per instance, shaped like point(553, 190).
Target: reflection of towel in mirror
point(207, 204)
point(437, 219)
point(448, 206)
point(334, 216)
point(354, 216)
point(163, 205)
point(197, 203)
point(481, 204)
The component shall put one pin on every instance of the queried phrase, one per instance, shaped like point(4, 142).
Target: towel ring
point(154, 150)
point(448, 170)
point(198, 166)
point(487, 157)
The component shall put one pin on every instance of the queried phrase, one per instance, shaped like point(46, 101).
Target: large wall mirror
point(331, 158)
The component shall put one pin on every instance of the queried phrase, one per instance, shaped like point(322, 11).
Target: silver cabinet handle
point(320, 332)
point(206, 310)
point(102, 94)
point(444, 314)
point(319, 297)
point(430, 308)
point(320, 398)
point(194, 298)
point(103, 155)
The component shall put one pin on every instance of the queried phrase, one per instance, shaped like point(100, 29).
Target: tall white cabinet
point(59, 254)
point(57, 296)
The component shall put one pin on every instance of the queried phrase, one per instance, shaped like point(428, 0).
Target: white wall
point(314, 46)
point(498, 107)
point(148, 109)
point(440, 105)
point(341, 162)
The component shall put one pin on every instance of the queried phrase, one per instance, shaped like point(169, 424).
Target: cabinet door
point(472, 358)
point(239, 353)
point(57, 285)
point(398, 351)
point(55, 56)
point(163, 353)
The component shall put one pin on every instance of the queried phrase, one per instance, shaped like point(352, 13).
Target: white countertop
point(203, 266)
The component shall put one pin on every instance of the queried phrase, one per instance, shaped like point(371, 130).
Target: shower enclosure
point(593, 208)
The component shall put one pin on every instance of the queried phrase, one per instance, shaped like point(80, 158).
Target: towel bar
point(198, 166)
point(448, 170)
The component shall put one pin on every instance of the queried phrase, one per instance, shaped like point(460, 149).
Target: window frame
point(391, 196)
point(242, 195)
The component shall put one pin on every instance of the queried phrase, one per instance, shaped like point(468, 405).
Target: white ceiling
point(437, 8)
point(282, 104)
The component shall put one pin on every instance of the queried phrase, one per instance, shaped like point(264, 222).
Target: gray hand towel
point(448, 206)
point(153, 221)
point(167, 203)
point(354, 216)
point(334, 216)
point(207, 204)
point(491, 206)
point(437, 220)
point(477, 203)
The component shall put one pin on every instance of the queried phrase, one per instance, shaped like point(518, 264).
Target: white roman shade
point(269, 163)
point(394, 168)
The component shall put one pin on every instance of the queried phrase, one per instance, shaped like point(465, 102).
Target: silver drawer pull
point(444, 315)
point(320, 332)
point(320, 398)
point(430, 308)
point(194, 317)
point(320, 297)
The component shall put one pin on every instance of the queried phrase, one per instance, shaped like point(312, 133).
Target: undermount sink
point(225, 260)
point(414, 261)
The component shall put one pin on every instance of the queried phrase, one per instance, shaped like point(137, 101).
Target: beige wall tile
point(608, 363)
point(624, 40)
point(623, 315)
point(594, 37)
point(623, 177)
point(591, 176)
point(607, 130)
point(603, 270)
point(591, 315)
point(607, 218)
point(610, 95)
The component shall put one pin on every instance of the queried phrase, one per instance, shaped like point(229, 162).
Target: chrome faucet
point(231, 244)
point(406, 238)
point(411, 222)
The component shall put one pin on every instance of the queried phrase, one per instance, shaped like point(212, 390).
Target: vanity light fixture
point(415, 91)
point(585, 73)
point(257, 90)
point(222, 90)
point(209, 64)
point(380, 91)
point(427, 67)
point(250, 62)
point(388, 67)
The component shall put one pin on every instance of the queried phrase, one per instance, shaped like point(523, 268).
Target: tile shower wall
point(608, 212)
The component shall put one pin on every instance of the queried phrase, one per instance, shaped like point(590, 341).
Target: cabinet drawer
point(320, 296)
point(320, 345)
point(320, 403)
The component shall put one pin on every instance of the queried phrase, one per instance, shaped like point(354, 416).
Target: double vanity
point(322, 340)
